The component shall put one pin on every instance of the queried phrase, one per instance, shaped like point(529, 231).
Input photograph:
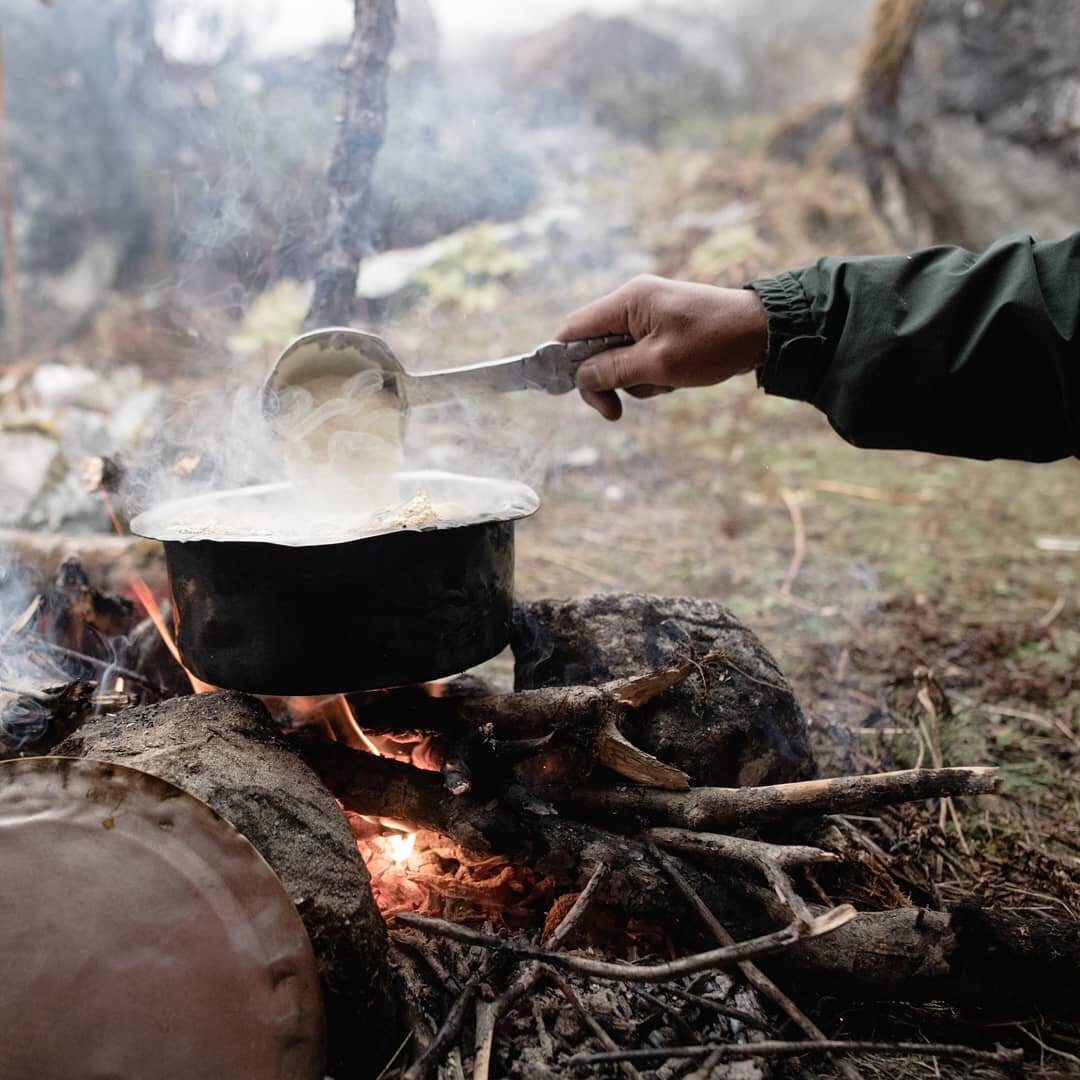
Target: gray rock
point(735, 723)
point(613, 71)
point(223, 749)
point(973, 130)
point(30, 465)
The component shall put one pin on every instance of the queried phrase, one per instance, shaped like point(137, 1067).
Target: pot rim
point(521, 499)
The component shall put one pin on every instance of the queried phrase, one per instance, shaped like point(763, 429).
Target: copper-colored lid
point(142, 937)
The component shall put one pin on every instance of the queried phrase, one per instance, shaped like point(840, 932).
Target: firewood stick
point(726, 808)
point(664, 972)
point(772, 860)
point(582, 722)
point(576, 720)
point(741, 1051)
point(718, 1007)
point(447, 1035)
point(750, 971)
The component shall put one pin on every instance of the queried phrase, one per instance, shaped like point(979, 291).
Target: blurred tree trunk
point(362, 126)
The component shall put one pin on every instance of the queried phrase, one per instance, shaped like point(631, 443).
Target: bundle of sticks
point(534, 777)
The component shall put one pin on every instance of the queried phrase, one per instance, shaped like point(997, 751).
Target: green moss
point(474, 275)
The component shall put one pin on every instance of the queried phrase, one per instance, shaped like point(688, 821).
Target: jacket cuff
point(797, 358)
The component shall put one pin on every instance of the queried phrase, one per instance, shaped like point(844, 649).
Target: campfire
point(579, 873)
point(622, 861)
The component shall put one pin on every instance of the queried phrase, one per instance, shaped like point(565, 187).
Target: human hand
point(684, 335)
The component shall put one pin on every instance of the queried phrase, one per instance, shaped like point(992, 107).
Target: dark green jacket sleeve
point(941, 350)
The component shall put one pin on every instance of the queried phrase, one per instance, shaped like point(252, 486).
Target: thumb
point(616, 368)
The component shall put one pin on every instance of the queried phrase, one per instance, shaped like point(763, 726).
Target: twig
point(485, 1023)
point(725, 808)
point(706, 1070)
point(773, 860)
point(1056, 609)
point(22, 621)
point(674, 1014)
point(791, 501)
point(674, 969)
point(484, 1039)
point(590, 1021)
point(750, 971)
point(93, 661)
point(7, 207)
point(719, 1007)
point(397, 1053)
point(875, 494)
point(447, 1035)
point(737, 1051)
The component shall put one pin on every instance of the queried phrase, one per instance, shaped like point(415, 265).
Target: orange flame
point(398, 847)
point(145, 596)
point(401, 847)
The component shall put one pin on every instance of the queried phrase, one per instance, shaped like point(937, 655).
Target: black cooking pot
point(397, 606)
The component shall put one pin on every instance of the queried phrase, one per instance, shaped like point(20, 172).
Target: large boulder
point(612, 71)
point(970, 117)
point(733, 723)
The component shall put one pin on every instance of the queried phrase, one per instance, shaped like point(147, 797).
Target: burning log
point(110, 561)
point(32, 722)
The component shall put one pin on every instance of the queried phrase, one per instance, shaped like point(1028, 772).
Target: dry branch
point(674, 969)
point(742, 1051)
point(750, 971)
point(578, 724)
point(772, 860)
point(729, 808)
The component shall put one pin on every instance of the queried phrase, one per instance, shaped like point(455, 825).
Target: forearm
point(941, 350)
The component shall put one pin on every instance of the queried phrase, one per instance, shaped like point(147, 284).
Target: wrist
point(752, 331)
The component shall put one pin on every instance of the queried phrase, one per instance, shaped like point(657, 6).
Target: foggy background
point(166, 175)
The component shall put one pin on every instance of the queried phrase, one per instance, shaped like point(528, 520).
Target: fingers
point(618, 368)
point(643, 392)
point(608, 315)
point(605, 402)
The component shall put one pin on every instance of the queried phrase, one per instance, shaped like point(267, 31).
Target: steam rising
point(327, 463)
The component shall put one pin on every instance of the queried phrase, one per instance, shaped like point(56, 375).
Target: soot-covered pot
point(304, 608)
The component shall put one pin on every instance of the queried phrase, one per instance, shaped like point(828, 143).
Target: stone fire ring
point(142, 937)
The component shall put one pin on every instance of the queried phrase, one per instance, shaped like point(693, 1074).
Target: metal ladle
point(339, 351)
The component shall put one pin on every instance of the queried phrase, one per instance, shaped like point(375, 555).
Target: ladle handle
point(556, 363)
